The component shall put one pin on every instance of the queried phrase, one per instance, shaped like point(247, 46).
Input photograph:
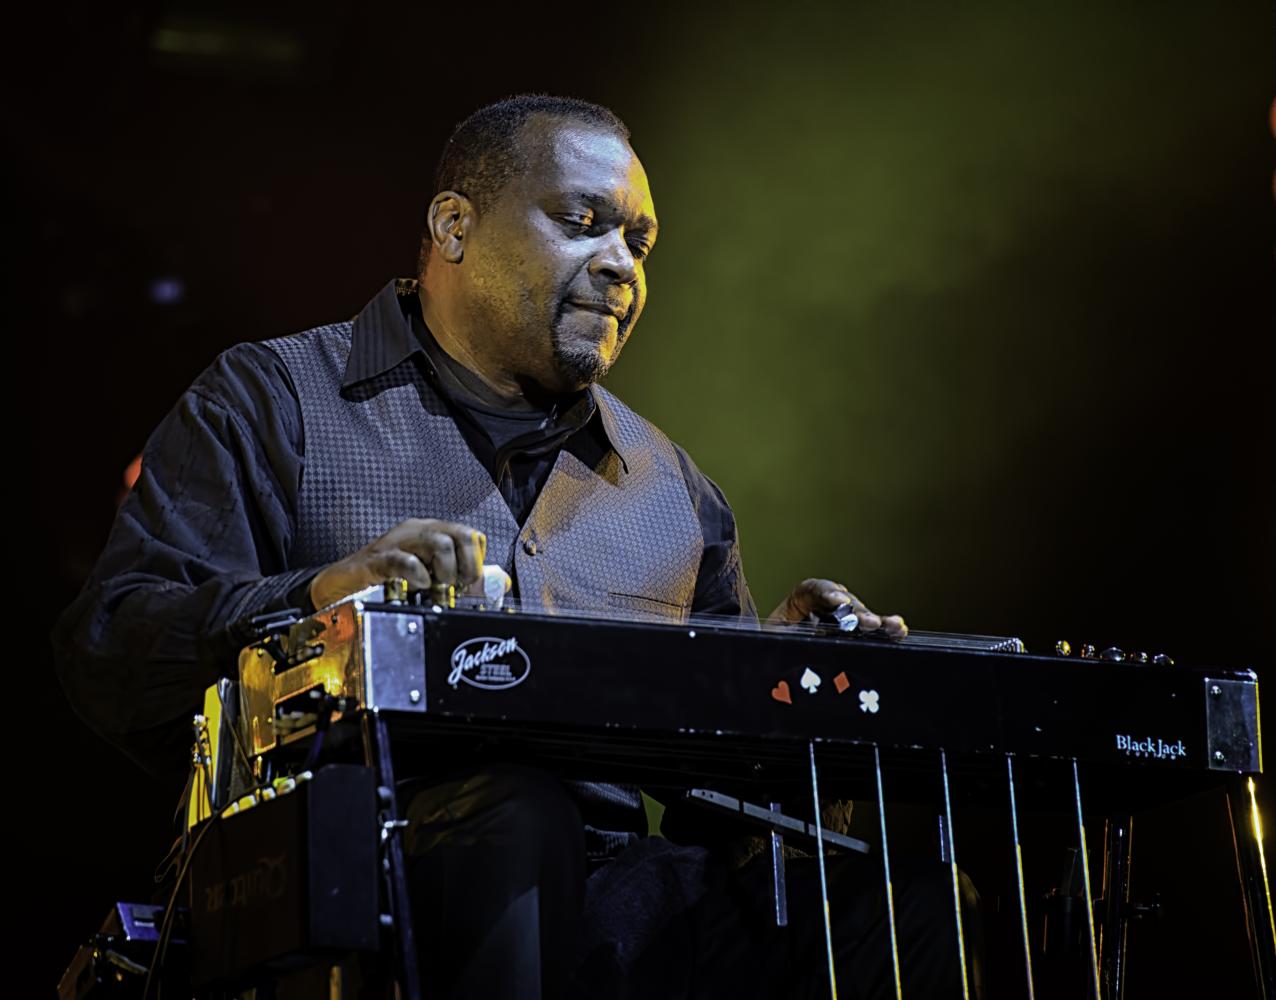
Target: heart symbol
point(810, 680)
point(841, 682)
point(868, 701)
point(781, 693)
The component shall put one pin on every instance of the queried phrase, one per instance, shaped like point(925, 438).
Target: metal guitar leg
point(1085, 875)
point(1251, 869)
point(779, 894)
point(376, 741)
point(824, 885)
point(886, 869)
point(1019, 883)
point(950, 852)
point(1117, 847)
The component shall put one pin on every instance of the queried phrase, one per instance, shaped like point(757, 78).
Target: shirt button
point(529, 546)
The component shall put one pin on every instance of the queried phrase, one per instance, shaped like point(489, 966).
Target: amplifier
point(290, 881)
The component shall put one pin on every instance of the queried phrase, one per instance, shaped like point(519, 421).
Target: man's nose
point(614, 261)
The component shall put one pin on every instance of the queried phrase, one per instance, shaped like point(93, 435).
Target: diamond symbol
point(868, 701)
point(841, 682)
point(810, 680)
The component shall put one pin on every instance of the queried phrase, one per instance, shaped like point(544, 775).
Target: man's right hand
point(422, 551)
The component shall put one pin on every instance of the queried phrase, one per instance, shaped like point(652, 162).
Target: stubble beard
point(579, 363)
point(578, 360)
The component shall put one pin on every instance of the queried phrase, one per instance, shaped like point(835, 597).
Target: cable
point(166, 925)
point(234, 730)
point(199, 765)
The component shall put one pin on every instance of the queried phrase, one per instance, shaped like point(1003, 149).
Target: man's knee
point(504, 807)
point(925, 900)
point(496, 867)
point(929, 889)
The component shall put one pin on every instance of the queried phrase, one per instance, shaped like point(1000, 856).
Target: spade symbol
point(810, 680)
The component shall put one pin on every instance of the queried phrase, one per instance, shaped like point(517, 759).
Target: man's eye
point(639, 250)
point(580, 223)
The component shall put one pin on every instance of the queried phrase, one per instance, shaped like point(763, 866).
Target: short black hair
point(483, 152)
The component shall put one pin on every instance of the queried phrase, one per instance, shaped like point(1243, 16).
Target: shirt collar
point(381, 338)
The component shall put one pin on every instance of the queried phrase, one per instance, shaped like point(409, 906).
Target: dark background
point(969, 306)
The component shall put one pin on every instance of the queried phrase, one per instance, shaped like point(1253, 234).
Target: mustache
point(614, 307)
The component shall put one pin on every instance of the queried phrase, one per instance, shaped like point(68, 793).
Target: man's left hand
point(812, 598)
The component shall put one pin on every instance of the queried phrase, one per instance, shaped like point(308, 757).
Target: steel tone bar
point(1023, 903)
point(952, 863)
point(1085, 875)
point(1118, 843)
point(779, 894)
point(1251, 870)
point(886, 868)
point(824, 886)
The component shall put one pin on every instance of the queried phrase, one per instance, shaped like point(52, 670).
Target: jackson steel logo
point(490, 663)
point(1151, 748)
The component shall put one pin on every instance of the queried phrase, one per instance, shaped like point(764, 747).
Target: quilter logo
point(1152, 748)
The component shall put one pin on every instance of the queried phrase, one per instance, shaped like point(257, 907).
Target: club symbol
point(810, 680)
point(868, 701)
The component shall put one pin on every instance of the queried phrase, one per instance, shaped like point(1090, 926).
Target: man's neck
point(488, 383)
point(501, 386)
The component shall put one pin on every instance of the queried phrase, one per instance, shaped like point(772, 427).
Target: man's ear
point(450, 218)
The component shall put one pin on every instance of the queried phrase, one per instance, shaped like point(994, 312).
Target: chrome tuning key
point(1113, 654)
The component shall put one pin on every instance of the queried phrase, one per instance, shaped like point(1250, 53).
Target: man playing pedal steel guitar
point(456, 422)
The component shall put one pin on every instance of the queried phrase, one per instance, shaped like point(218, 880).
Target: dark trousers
point(503, 908)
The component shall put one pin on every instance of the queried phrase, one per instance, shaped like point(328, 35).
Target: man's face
point(555, 266)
